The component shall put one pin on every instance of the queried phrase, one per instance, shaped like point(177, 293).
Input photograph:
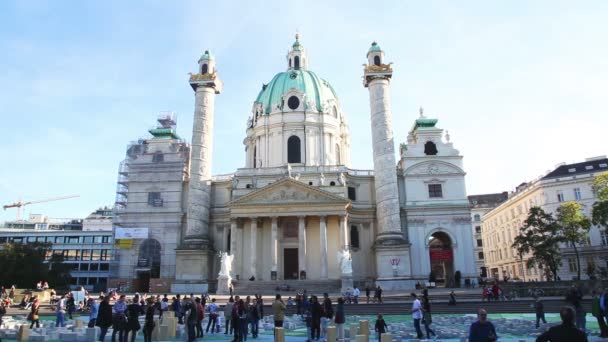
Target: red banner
point(441, 255)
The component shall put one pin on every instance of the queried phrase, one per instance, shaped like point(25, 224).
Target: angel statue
point(345, 261)
point(225, 263)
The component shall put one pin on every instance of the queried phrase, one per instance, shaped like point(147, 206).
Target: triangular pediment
point(288, 191)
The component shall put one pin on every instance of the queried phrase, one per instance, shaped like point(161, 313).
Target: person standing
point(134, 310)
point(94, 307)
point(228, 316)
point(367, 293)
point(71, 304)
point(482, 330)
point(104, 317)
point(176, 306)
point(200, 309)
point(278, 310)
point(452, 300)
point(241, 312)
point(60, 312)
point(427, 318)
point(379, 294)
point(33, 316)
point(213, 308)
point(328, 314)
point(119, 320)
point(598, 312)
point(191, 313)
point(574, 298)
point(340, 319)
point(356, 294)
point(416, 312)
point(235, 319)
point(253, 316)
point(149, 320)
point(565, 332)
point(315, 313)
point(539, 308)
point(380, 326)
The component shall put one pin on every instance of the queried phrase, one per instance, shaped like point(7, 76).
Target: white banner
point(130, 233)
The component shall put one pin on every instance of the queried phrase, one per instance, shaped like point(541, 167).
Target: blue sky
point(520, 85)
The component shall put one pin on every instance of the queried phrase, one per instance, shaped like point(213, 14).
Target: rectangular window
point(98, 239)
point(577, 194)
point(104, 267)
point(154, 199)
point(572, 264)
point(72, 239)
point(560, 196)
point(477, 229)
point(480, 255)
point(94, 267)
point(352, 193)
point(84, 267)
point(31, 239)
point(88, 239)
point(435, 191)
point(479, 243)
point(105, 239)
point(86, 254)
point(96, 255)
point(104, 255)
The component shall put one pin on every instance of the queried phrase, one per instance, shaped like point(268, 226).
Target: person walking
point(367, 293)
point(191, 314)
point(452, 300)
point(539, 308)
point(340, 319)
point(163, 306)
point(134, 310)
point(235, 319)
point(213, 309)
point(60, 312)
point(33, 316)
point(71, 304)
point(315, 313)
point(149, 320)
point(94, 312)
point(597, 310)
point(416, 312)
point(228, 316)
point(200, 309)
point(119, 320)
point(104, 317)
point(241, 312)
point(176, 306)
point(427, 319)
point(380, 326)
point(482, 330)
point(565, 332)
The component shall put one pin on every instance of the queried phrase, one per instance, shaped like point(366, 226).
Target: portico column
point(232, 236)
point(253, 241)
point(344, 231)
point(302, 245)
point(323, 238)
point(273, 248)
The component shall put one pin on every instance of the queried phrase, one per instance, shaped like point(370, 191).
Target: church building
point(296, 211)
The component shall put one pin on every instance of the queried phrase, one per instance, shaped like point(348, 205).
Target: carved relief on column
point(302, 246)
point(323, 239)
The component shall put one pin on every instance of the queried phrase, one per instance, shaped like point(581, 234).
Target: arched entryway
point(442, 257)
point(148, 264)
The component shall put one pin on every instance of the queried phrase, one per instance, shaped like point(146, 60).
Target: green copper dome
point(305, 81)
point(374, 47)
point(206, 55)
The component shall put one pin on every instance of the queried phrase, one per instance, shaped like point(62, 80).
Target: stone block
point(361, 338)
point(353, 330)
point(24, 333)
point(91, 334)
point(364, 329)
point(331, 333)
point(386, 338)
point(68, 337)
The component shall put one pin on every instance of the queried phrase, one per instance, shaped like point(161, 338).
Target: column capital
point(274, 219)
point(302, 217)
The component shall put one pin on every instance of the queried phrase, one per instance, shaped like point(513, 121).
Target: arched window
point(430, 149)
point(335, 112)
point(293, 150)
point(204, 69)
point(296, 62)
point(228, 238)
point(337, 154)
point(290, 63)
point(255, 156)
point(354, 237)
point(377, 60)
point(149, 257)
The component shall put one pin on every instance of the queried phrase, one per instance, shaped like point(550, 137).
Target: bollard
point(331, 333)
point(353, 330)
point(279, 334)
point(78, 323)
point(156, 330)
point(364, 329)
point(361, 338)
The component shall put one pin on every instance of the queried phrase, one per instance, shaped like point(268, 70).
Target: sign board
point(130, 233)
point(124, 243)
point(441, 255)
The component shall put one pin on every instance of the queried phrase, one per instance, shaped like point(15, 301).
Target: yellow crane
point(20, 204)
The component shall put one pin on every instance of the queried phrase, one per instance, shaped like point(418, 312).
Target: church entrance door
point(442, 258)
point(290, 263)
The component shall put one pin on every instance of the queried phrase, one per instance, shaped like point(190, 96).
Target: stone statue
point(225, 264)
point(342, 179)
point(322, 179)
point(345, 262)
point(289, 170)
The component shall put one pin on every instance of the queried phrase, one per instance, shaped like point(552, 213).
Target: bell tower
point(390, 244)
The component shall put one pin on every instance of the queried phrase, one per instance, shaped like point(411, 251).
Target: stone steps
point(270, 287)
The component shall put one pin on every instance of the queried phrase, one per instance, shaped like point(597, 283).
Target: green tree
point(540, 236)
point(23, 264)
point(574, 228)
point(600, 208)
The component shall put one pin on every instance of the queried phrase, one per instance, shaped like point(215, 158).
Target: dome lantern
point(296, 58)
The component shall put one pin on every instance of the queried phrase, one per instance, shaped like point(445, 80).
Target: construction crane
point(20, 204)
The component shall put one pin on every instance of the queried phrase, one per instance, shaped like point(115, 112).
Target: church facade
point(297, 207)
